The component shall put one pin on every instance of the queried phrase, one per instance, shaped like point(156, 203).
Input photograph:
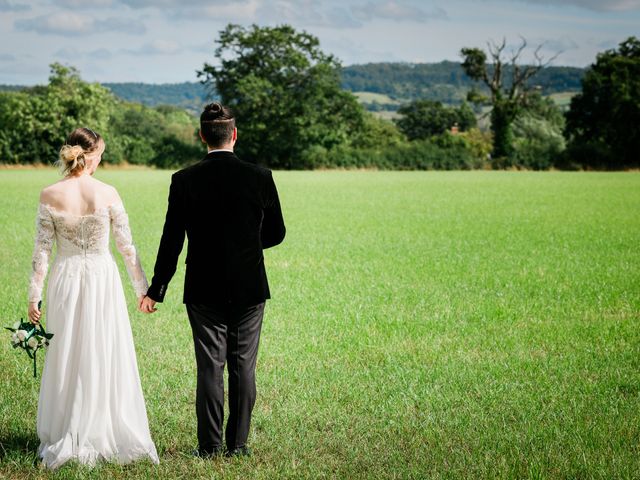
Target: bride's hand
point(147, 305)
point(34, 313)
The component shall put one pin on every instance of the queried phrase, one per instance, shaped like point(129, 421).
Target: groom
point(230, 211)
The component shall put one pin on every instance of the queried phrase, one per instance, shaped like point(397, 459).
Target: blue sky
point(168, 40)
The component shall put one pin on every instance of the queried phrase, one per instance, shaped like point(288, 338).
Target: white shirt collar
point(219, 150)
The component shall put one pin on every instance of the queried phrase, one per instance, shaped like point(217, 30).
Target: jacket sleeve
point(273, 229)
point(171, 242)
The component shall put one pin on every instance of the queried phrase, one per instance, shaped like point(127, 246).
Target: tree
point(36, 121)
point(507, 99)
point(537, 130)
point(602, 121)
point(422, 119)
point(285, 92)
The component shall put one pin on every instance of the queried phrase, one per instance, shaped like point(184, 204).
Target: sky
point(167, 41)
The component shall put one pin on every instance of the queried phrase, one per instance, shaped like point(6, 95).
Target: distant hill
point(379, 86)
point(11, 88)
point(188, 95)
point(443, 81)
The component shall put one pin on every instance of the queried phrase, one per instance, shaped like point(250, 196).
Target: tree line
point(445, 82)
point(293, 113)
point(34, 123)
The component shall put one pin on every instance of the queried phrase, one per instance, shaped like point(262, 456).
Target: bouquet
point(30, 337)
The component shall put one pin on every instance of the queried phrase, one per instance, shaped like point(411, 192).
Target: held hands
point(34, 313)
point(146, 305)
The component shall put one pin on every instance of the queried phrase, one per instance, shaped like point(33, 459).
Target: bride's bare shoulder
point(108, 192)
point(52, 194)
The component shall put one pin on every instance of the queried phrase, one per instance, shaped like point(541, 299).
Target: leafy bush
point(479, 143)
point(423, 118)
point(438, 153)
point(589, 155)
point(538, 144)
point(172, 152)
point(34, 122)
point(376, 133)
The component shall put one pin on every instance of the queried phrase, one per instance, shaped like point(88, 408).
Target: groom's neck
point(228, 146)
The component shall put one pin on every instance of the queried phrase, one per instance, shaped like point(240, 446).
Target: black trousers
point(225, 334)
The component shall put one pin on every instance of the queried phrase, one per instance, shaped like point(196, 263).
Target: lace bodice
point(83, 235)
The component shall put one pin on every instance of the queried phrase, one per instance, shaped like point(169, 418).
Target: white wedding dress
point(91, 405)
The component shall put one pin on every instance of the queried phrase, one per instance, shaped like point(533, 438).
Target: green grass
point(423, 325)
point(562, 99)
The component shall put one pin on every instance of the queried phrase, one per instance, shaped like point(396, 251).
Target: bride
point(91, 405)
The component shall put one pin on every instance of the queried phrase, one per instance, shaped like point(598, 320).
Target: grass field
point(562, 99)
point(381, 98)
point(423, 325)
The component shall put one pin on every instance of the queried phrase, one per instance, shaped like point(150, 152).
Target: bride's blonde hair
point(79, 143)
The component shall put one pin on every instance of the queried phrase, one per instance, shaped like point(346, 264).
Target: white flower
point(33, 342)
point(14, 339)
point(22, 334)
point(16, 325)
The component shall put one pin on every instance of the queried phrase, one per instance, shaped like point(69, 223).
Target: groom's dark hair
point(216, 124)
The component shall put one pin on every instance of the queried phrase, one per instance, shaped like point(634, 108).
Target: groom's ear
point(234, 137)
point(201, 137)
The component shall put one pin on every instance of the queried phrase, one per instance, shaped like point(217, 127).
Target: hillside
point(444, 81)
point(188, 95)
point(379, 86)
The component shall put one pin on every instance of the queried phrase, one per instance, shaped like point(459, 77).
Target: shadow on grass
point(18, 445)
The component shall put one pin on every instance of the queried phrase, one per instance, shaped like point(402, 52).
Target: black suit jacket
point(230, 211)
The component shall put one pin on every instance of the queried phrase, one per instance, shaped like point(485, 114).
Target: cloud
point(608, 44)
point(74, 24)
point(100, 54)
point(74, 54)
point(125, 25)
point(397, 11)
point(85, 3)
point(301, 13)
point(597, 5)
point(67, 53)
point(205, 47)
point(7, 57)
point(177, 3)
point(157, 47)
point(306, 13)
point(559, 44)
point(5, 6)
point(58, 24)
point(239, 11)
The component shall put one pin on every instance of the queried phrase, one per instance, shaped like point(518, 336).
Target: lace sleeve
point(124, 244)
point(45, 233)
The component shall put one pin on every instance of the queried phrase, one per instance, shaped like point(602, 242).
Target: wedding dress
point(91, 405)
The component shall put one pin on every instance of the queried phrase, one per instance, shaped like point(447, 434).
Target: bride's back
point(80, 195)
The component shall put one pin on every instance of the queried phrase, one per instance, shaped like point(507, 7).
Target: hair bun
point(213, 111)
point(214, 107)
point(71, 153)
point(72, 158)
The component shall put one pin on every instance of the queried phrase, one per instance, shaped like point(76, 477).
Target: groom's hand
point(147, 305)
